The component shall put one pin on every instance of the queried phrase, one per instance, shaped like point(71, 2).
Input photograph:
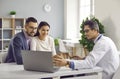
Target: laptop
point(38, 61)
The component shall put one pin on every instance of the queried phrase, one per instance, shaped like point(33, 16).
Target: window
point(86, 9)
point(75, 12)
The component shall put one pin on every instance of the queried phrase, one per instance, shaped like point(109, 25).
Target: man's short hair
point(31, 19)
point(92, 24)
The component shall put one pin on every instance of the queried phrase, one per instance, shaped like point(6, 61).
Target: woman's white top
point(43, 45)
point(104, 55)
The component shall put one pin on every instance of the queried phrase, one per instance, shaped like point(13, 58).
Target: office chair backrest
point(3, 56)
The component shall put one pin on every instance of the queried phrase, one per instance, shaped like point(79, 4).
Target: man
point(104, 53)
point(21, 41)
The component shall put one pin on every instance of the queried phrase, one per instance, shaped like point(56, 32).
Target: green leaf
point(56, 42)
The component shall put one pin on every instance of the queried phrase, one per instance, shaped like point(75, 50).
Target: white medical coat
point(104, 55)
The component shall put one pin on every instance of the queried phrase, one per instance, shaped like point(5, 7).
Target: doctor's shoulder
point(106, 40)
point(102, 41)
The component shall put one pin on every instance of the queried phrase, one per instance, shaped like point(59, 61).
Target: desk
point(13, 71)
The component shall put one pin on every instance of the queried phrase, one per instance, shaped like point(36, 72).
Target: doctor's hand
point(59, 61)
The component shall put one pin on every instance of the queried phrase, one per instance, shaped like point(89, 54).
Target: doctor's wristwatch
point(67, 64)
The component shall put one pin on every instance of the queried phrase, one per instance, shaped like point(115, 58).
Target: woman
point(42, 41)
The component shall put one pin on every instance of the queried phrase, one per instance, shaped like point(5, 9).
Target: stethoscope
point(99, 37)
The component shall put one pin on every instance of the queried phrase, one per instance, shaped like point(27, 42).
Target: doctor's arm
point(89, 62)
point(93, 58)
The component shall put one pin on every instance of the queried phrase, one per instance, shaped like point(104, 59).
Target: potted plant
point(88, 45)
point(12, 13)
point(56, 42)
point(6, 48)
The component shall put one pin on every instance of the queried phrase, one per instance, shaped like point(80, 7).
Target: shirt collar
point(98, 37)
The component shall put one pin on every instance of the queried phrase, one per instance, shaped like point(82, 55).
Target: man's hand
point(59, 61)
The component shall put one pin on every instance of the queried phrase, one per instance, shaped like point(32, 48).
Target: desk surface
point(13, 71)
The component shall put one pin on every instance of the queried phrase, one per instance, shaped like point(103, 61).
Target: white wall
point(35, 8)
point(108, 11)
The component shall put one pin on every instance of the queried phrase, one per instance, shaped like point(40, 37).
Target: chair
point(3, 56)
point(62, 47)
point(62, 50)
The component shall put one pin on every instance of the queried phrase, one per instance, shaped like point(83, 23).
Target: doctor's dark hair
point(92, 24)
point(42, 23)
point(31, 19)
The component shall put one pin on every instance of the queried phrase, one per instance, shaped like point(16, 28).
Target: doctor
point(104, 53)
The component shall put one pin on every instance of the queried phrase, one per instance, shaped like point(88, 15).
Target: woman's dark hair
point(31, 19)
point(92, 24)
point(42, 23)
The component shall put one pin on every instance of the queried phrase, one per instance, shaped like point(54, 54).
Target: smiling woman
point(42, 41)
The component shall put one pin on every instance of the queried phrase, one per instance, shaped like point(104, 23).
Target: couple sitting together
point(33, 37)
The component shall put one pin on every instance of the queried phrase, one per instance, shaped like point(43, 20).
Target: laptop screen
point(37, 60)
